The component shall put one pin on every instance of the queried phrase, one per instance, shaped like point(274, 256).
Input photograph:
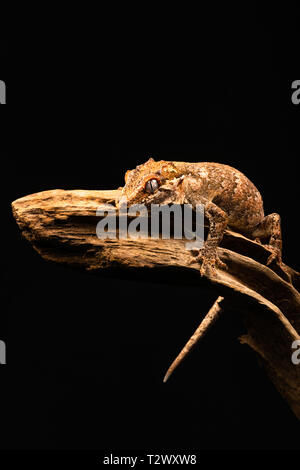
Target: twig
point(202, 329)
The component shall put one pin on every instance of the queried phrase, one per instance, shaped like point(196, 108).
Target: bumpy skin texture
point(229, 199)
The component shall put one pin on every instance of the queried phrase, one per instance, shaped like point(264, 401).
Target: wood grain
point(61, 226)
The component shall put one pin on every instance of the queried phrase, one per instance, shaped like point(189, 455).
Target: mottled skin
point(229, 199)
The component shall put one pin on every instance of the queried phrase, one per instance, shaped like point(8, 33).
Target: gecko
point(229, 199)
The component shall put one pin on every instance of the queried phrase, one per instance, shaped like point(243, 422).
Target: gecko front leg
point(218, 220)
point(208, 255)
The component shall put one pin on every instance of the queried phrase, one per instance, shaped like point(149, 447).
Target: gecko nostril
point(122, 201)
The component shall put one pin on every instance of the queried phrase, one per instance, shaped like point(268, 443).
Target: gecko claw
point(275, 256)
point(209, 261)
point(271, 258)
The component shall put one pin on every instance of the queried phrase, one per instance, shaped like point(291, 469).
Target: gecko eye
point(151, 186)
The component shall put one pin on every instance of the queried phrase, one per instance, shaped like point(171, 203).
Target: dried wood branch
point(61, 226)
point(202, 329)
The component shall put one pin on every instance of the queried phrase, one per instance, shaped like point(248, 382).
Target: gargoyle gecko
point(228, 196)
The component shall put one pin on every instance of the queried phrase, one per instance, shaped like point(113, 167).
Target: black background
point(86, 355)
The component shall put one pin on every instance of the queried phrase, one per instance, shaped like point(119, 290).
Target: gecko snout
point(121, 201)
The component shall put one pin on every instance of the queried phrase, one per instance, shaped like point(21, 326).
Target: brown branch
point(202, 329)
point(61, 226)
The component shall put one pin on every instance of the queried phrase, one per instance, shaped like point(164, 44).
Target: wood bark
point(61, 226)
point(200, 332)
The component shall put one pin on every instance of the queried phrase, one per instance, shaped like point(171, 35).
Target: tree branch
point(202, 329)
point(61, 226)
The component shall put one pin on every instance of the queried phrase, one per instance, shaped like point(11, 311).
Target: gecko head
point(151, 183)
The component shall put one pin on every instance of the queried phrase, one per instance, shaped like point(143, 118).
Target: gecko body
point(229, 198)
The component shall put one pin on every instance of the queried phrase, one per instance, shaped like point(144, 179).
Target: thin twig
point(204, 326)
